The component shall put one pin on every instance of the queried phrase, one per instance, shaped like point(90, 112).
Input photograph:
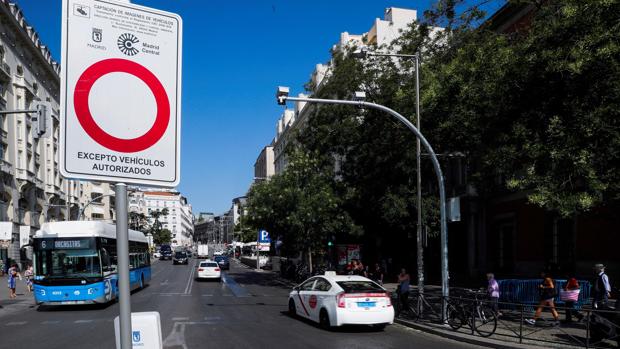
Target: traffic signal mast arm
point(42, 110)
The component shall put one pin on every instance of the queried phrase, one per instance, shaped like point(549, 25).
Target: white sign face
point(121, 93)
point(24, 235)
point(6, 231)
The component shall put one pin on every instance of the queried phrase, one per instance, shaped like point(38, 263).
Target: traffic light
point(42, 119)
point(330, 240)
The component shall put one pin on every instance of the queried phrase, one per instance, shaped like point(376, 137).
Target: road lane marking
point(190, 282)
point(16, 323)
point(164, 283)
point(180, 319)
point(176, 338)
point(82, 321)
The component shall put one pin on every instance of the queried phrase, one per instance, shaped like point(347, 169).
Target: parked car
point(180, 257)
point(208, 270)
point(156, 254)
point(336, 300)
point(223, 262)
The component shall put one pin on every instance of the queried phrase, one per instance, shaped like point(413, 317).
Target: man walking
point(602, 288)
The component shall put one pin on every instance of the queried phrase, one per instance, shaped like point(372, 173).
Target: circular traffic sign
point(84, 116)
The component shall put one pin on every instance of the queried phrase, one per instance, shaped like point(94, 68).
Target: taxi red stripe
point(302, 304)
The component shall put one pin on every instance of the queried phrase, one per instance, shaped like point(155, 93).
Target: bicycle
point(476, 313)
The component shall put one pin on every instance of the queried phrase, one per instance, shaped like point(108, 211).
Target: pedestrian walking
point(403, 290)
point(601, 288)
point(29, 275)
point(493, 292)
point(569, 295)
point(547, 293)
point(12, 280)
point(377, 274)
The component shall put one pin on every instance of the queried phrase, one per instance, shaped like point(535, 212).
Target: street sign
point(263, 237)
point(120, 93)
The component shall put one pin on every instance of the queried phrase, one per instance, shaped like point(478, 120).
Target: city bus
point(75, 262)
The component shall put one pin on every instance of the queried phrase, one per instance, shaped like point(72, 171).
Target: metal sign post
point(120, 101)
point(122, 251)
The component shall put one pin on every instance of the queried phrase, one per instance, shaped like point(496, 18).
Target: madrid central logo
point(127, 44)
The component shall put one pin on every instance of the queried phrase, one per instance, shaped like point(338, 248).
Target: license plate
point(366, 304)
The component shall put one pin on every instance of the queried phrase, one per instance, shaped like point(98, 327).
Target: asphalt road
point(246, 310)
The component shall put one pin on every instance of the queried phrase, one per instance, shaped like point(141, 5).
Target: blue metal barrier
point(527, 291)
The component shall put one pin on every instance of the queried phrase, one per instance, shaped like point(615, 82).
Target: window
point(322, 285)
point(307, 286)
point(359, 286)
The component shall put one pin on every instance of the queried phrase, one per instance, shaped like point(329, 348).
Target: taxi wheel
point(324, 320)
point(291, 308)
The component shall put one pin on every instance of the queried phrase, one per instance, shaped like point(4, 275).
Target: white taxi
point(208, 270)
point(336, 300)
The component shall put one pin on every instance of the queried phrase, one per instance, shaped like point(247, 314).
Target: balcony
point(21, 82)
point(39, 183)
point(6, 167)
point(49, 188)
point(5, 72)
point(25, 175)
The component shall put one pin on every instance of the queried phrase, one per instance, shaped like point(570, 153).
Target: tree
point(162, 236)
point(139, 221)
point(301, 205)
point(159, 235)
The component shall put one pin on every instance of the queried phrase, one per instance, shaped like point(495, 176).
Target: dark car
point(180, 258)
point(166, 252)
point(222, 261)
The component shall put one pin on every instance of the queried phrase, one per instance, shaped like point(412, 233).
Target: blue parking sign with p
point(263, 236)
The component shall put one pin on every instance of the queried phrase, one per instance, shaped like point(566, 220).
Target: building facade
point(264, 165)
point(179, 220)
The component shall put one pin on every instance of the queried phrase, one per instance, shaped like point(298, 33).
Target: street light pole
point(363, 53)
point(282, 97)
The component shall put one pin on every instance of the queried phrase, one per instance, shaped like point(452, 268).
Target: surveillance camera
point(359, 96)
point(282, 94)
point(362, 52)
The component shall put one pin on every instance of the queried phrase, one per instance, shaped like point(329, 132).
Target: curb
point(489, 343)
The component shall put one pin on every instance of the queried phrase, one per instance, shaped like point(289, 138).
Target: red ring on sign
point(82, 110)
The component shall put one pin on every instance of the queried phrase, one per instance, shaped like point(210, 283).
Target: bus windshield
point(82, 263)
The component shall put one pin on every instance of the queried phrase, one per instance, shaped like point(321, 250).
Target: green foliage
point(537, 112)
point(162, 236)
point(301, 205)
point(139, 221)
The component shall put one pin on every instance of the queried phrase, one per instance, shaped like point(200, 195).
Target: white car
point(208, 270)
point(336, 300)
point(156, 254)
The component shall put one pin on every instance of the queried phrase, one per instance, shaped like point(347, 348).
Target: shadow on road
point(340, 329)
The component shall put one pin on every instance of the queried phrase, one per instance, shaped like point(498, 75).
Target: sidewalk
point(24, 298)
point(511, 332)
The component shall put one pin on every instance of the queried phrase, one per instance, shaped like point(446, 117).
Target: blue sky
point(235, 54)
